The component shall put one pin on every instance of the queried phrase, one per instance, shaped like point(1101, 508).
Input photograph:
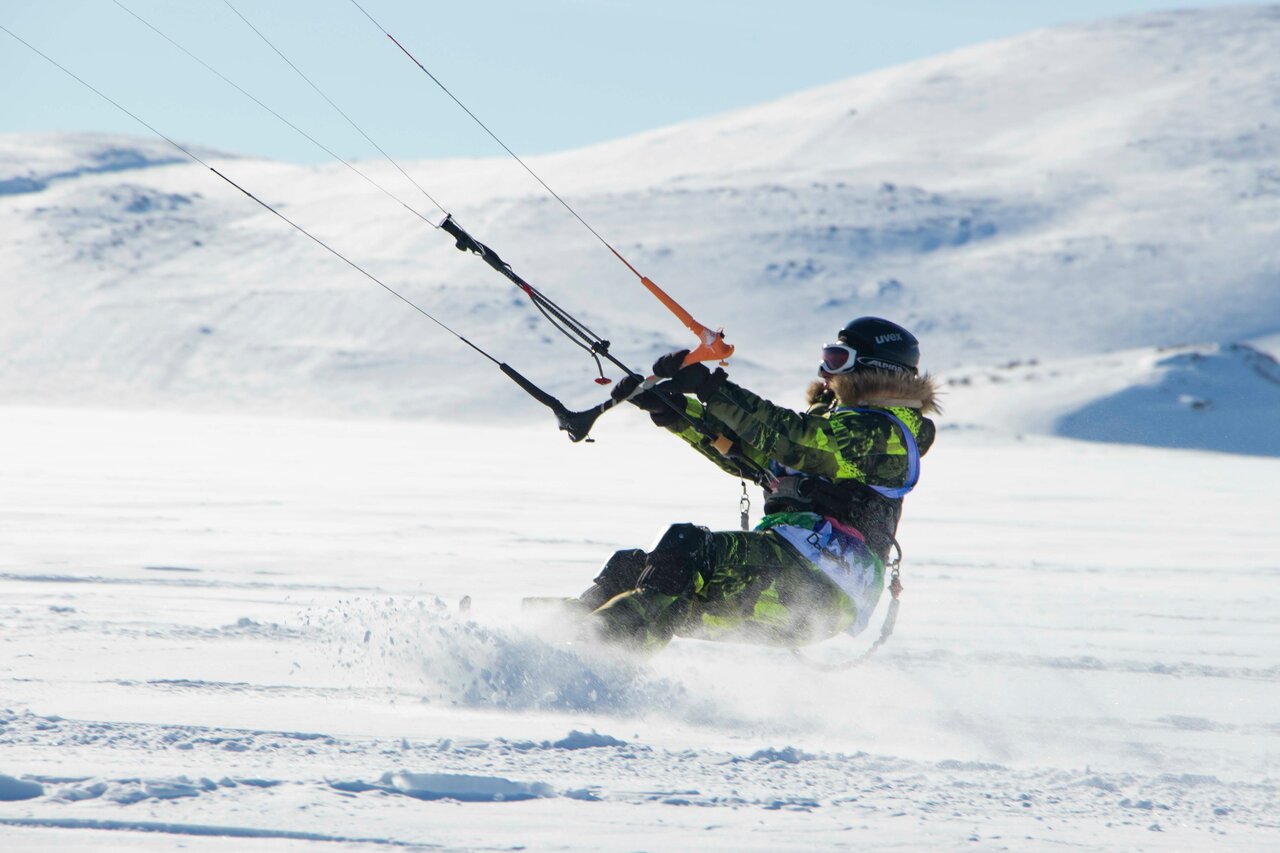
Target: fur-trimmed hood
point(878, 388)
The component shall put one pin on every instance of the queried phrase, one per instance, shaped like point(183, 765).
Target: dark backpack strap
point(913, 456)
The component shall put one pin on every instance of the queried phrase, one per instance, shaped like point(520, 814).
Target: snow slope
point(239, 634)
point(1060, 194)
point(1221, 398)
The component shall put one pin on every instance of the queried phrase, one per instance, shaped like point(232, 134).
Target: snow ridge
point(773, 779)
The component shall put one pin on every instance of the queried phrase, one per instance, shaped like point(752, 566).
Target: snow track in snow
point(248, 642)
point(845, 787)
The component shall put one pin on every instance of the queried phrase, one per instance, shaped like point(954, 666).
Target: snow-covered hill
point(1057, 195)
point(1223, 398)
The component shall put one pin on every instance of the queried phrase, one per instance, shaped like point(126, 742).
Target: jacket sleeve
point(810, 443)
point(714, 428)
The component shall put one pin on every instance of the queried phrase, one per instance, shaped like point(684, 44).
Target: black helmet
point(881, 344)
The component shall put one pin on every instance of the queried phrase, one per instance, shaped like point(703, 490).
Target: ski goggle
point(838, 359)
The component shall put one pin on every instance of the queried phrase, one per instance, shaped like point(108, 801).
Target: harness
point(799, 491)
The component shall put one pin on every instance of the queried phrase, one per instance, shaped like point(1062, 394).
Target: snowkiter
point(814, 566)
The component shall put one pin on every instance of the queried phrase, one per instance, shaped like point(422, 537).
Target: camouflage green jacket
point(828, 440)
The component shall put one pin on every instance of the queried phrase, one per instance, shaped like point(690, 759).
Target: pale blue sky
point(544, 74)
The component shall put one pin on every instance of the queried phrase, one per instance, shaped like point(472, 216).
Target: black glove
point(625, 386)
point(697, 378)
point(672, 363)
point(661, 412)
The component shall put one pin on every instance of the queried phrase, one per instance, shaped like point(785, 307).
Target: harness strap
point(913, 455)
